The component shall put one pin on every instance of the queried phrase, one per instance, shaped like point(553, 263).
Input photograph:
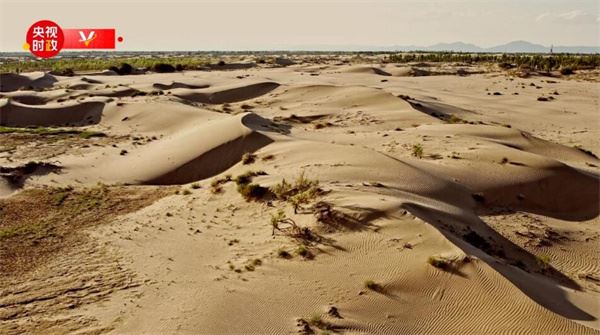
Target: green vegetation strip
point(51, 131)
point(532, 61)
point(92, 64)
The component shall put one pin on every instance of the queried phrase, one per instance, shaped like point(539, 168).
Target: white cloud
point(572, 17)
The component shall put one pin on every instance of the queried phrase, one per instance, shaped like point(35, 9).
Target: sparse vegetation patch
point(37, 223)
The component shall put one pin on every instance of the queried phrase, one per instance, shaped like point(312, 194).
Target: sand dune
point(16, 114)
point(462, 223)
point(219, 95)
point(367, 69)
point(11, 82)
point(184, 157)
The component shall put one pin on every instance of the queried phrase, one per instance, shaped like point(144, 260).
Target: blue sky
point(231, 25)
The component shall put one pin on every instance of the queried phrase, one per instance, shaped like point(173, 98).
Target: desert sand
point(450, 200)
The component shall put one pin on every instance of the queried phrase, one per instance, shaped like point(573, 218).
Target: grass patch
point(417, 150)
point(60, 195)
point(45, 131)
point(68, 65)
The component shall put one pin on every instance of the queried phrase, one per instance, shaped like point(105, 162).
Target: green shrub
point(417, 150)
point(316, 320)
point(246, 178)
point(248, 158)
point(372, 285)
point(566, 71)
point(302, 191)
point(537, 62)
point(282, 253)
point(252, 191)
point(440, 262)
point(303, 251)
point(281, 190)
point(543, 261)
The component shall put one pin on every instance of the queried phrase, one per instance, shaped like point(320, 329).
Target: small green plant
point(439, 262)
point(248, 158)
point(281, 190)
point(282, 253)
point(543, 261)
point(303, 183)
point(316, 320)
point(276, 219)
point(301, 198)
point(303, 251)
point(195, 186)
point(455, 119)
point(216, 184)
point(417, 150)
point(246, 178)
point(216, 189)
point(186, 192)
point(372, 285)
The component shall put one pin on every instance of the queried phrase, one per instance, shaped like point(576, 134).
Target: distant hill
point(511, 47)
